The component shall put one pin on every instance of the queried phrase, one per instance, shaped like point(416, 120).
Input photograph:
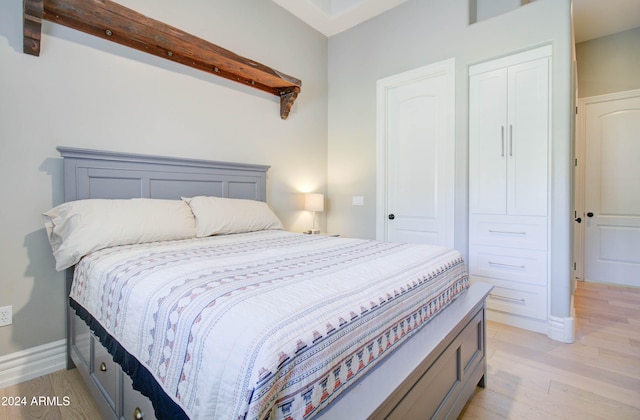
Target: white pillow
point(220, 216)
point(77, 228)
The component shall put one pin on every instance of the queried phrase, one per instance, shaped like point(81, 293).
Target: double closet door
point(508, 184)
point(509, 115)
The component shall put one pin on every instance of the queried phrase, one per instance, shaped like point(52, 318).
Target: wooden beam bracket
point(287, 97)
point(32, 26)
point(114, 22)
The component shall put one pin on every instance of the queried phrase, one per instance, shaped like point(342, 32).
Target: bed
point(261, 323)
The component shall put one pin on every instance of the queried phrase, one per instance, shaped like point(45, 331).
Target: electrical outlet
point(6, 316)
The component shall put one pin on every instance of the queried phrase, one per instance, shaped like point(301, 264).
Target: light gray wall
point(609, 64)
point(486, 9)
point(86, 92)
point(421, 32)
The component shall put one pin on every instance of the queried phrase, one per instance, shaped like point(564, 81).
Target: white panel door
point(418, 146)
point(612, 192)
point(487, 142)
point(527, 138)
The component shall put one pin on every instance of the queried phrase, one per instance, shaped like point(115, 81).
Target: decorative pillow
point(77, 228)
point(220, 216)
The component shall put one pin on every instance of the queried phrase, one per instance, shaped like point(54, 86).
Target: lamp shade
point(314, 202)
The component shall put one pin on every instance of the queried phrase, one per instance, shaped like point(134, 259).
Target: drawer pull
point(103, 367)
point(507, 232)
point(508, 265)
point(509, 298)
point(137, 414)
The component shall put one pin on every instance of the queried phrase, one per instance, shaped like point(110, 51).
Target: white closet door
point(527, 138)
point(416, 147)
point(487, 142)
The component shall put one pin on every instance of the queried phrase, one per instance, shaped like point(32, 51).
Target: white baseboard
point(556, 328)
point(27, 364)
point(526, 323)
point(561, 329)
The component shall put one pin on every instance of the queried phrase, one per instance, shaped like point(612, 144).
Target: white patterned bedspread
point(268, 324)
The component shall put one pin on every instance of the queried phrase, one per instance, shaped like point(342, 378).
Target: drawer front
point(509, 231)
point(105, 372)
point(509, 264)
point(516, 298)
point(135, 405)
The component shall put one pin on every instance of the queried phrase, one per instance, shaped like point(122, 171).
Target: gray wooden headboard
point(101, 174)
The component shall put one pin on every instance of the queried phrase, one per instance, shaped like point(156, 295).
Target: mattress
point(268, 324)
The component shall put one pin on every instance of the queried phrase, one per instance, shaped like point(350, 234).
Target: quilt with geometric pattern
point(268, 324)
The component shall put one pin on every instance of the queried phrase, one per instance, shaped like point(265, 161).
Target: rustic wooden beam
point(32, 26)
point(114, 22)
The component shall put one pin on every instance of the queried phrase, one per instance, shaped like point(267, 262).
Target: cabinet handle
point(510, 140)
point(502, 136)
point(138, 414)
point(507, 232)
point(509, 298)
point(103, 367)
point(507, 265)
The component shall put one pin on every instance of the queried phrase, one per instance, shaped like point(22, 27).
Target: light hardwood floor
point(56, 386)
point(597, 377)
point(530, 376)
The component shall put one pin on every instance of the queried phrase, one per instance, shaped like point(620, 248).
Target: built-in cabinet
point(509, 141)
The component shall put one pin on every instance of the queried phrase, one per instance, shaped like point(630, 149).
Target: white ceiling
point(592, 18)
point(331, 17)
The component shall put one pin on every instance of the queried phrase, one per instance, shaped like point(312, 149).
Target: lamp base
point(312, 232)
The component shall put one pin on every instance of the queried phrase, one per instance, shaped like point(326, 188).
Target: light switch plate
point(357, 200)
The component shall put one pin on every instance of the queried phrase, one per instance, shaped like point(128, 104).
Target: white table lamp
point(314, 202)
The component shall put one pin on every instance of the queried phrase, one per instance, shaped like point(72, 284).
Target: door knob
point(392, 216)
point(579, 220)
point(590, 214)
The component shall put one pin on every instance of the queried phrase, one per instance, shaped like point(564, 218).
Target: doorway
point(608, 181)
